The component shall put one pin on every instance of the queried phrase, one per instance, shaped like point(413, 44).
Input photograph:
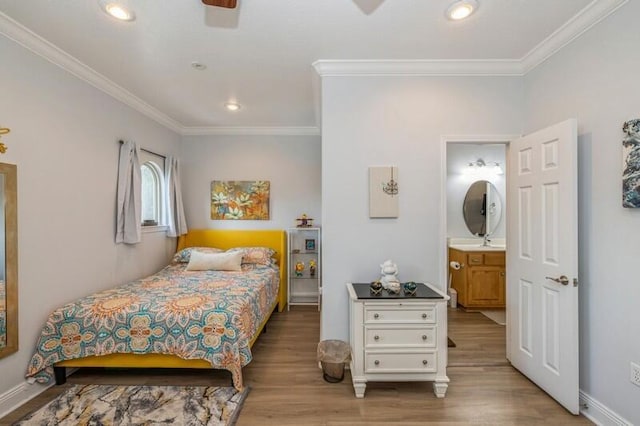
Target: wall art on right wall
point(631, 164)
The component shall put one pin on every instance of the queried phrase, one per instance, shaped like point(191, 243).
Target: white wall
point(595, 79)
point(63, 139)
point(369, 121)
point(290, 163)
point(459, 179)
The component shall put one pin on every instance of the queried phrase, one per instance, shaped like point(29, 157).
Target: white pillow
point(230, 261)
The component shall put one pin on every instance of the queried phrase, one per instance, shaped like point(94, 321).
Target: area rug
point(498, 316)
point(140, 405)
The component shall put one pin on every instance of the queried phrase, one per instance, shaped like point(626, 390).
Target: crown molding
point(593, 13)
point(418, 67)
point(248, 131)
point(47, 50)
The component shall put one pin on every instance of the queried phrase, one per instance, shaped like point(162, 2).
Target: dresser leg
point(359, 389)
point(440, 388)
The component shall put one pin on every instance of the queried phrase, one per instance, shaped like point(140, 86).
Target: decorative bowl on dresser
point(398, 337)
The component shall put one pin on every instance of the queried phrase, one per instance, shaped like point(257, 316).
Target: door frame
point(504, 139)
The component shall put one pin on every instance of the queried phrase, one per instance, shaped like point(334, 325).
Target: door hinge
point(575, 282)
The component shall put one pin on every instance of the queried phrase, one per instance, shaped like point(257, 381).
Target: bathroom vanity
point(477, 265)
point(480, 281)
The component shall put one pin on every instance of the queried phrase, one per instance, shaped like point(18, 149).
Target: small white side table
point(398, 339)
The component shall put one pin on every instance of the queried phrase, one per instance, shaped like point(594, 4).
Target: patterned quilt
point(210, 315)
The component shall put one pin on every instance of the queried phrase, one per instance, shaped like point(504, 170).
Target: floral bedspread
point(210, 315)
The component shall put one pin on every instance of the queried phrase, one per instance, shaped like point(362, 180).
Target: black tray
point(422, 292)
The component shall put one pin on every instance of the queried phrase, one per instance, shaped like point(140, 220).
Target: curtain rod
point(146, 150)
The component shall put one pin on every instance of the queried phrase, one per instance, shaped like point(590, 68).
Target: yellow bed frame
point(223, 239)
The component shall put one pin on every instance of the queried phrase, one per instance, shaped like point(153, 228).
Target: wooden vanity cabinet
point(480, 282)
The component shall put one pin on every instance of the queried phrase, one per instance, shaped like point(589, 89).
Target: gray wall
point(595, 79)
point(459, 180)
point(398, 121)
point(290, 163)
point(63, 139)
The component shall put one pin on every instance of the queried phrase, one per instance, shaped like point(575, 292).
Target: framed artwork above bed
point(240, 199)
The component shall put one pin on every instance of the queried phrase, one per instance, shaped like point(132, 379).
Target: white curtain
point(129, 202)
point(174, 209)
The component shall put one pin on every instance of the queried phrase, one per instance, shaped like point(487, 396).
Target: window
point(151, 194)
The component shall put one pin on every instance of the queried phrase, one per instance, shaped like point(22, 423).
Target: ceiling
point(261, 53)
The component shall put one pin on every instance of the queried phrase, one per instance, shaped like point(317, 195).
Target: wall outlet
point(635, 374)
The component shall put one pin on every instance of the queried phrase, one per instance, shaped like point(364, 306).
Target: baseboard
point(598, 413)
point(15, 397)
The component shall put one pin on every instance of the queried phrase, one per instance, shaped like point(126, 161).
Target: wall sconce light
point(492, 167)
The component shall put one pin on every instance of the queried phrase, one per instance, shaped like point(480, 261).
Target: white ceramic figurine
point(389, 277)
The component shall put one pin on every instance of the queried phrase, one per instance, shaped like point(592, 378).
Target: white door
point(542, 260)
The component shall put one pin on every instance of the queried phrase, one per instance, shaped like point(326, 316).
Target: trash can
point(333, 354)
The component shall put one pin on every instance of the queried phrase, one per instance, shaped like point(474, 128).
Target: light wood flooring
point(287, 386)
point(479, 341)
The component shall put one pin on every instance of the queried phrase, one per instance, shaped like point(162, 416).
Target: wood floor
point(479, 341)
point(287, 387)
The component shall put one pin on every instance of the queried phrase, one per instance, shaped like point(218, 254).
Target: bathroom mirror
point(482, 208)
point(8, 260)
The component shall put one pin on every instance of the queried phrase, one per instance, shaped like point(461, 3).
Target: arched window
point(151, 194)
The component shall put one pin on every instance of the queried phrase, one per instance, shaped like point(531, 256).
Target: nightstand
point(398, 338)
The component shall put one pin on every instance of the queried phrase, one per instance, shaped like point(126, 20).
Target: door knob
point(562, 279)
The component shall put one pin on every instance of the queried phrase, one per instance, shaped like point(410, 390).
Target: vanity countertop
point(477, 247)
point(475, 244)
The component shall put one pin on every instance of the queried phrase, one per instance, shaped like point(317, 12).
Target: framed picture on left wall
point(240, 199)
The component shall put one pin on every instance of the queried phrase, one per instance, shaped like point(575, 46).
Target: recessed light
point(199, 66)
point(461, 9)
point(117, 11)
point(232, 106)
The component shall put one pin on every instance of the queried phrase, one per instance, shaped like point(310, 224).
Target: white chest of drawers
point(398, 340)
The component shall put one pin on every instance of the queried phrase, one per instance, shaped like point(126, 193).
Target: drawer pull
point(376, 316)
point(376, 362)
point(376, 337)
point(424, 316)
point(425, 362)
point(424, 337)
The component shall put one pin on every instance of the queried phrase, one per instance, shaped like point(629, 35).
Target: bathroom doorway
point(475, 249)
point(541, 335)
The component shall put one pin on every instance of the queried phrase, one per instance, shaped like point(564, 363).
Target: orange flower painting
point(240, 200)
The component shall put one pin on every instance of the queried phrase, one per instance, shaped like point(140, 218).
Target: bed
point(174, 318)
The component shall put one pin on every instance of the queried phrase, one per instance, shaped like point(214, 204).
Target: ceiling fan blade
point(229, 4)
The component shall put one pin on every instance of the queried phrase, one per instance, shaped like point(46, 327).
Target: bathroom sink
point(478, 247)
